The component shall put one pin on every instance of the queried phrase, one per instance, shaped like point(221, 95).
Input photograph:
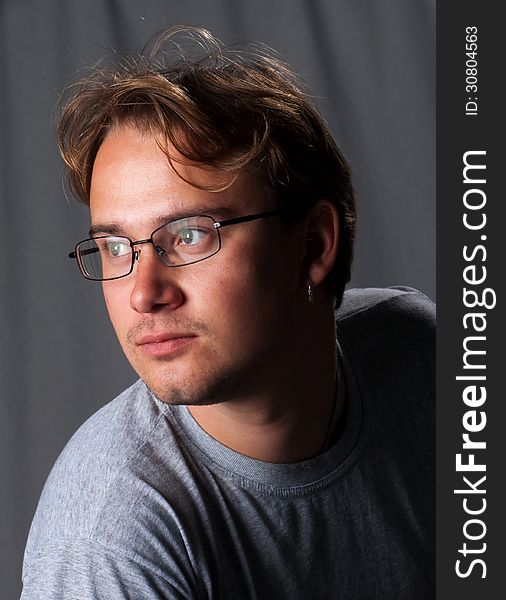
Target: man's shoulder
point(114, 433)
point(106, 451)
point(115, 489)
point(392, 304)
point(394, 324)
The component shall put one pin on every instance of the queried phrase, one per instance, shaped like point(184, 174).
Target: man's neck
point(293, 418)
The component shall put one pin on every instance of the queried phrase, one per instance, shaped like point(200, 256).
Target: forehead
point(133, 182)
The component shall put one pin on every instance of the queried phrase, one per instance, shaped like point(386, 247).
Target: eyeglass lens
point(177, 243)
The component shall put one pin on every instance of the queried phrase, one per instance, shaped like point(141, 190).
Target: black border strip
point(462, 407)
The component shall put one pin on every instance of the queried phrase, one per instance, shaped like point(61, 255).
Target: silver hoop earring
point(310, 293)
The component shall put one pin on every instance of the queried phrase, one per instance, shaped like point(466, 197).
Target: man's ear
point(322, 241)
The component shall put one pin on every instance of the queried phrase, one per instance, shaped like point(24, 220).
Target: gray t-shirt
point(142, 503)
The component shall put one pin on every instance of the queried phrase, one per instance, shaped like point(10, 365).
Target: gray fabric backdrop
point(371, 65)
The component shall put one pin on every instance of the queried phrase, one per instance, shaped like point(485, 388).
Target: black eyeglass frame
point(135, 255)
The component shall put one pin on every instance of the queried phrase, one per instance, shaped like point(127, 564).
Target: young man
point(271, 449)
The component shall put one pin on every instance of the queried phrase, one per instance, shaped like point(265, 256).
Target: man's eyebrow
point(109, 229)
point(217, 212)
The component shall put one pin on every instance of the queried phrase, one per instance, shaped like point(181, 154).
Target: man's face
point(210, 331)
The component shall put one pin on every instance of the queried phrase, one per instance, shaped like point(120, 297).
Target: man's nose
point(154, 283)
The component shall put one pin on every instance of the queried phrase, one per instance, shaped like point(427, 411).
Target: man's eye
point(118, 248)
point(190, 235)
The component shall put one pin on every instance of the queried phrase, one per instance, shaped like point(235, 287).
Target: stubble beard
point(161, 377)
point(218, 378)
point(207, 387)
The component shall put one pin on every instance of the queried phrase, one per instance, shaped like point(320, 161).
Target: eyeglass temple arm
point(89, 251)
point(245, 219)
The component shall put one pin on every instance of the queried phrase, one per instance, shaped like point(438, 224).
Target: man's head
point(227, 135)
point(239, 110)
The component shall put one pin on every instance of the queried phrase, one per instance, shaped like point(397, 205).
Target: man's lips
point(157, 338)
point(164, 344)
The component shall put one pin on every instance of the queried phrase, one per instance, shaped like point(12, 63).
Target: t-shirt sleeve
point(85, 570)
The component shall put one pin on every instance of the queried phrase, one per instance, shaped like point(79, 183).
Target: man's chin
point(190, 390)
point(198, 389)
point(178, 396)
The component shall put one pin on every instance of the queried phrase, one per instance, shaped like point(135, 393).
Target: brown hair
point(231, 108)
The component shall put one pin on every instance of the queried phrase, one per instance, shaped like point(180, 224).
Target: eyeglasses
point(177, 243)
